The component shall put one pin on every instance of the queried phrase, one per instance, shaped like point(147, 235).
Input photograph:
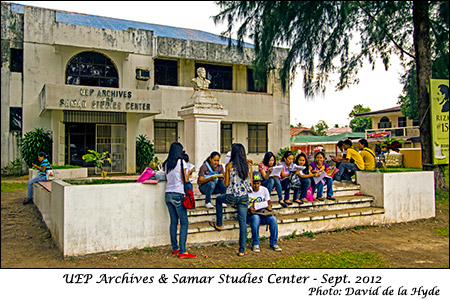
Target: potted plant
point(98, 159)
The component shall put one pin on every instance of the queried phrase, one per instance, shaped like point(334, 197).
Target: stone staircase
point(348, 210)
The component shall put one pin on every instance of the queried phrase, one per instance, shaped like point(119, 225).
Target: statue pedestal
point(201, 129)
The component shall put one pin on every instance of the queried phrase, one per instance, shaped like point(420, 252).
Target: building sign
point(105, 100)
point(439, 103)
point(378, 134)
point(70, 97)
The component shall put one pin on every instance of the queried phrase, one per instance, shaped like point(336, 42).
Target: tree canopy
point(360, 124)
point(319, 36)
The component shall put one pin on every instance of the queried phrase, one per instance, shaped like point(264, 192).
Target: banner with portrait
point(439, 103)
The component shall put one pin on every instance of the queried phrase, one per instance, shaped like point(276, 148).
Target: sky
point(378, 89)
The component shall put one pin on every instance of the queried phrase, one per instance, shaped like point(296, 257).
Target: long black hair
point(175, 153)
point(239, 160)
point(306, 170)
point(285, 155)
point(267, 158)
point(211, 156)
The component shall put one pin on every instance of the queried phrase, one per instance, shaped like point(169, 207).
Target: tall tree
point(321, 128)
point(318, 35)
point(359, 124)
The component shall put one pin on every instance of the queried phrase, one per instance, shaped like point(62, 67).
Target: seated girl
point(210, 178)
point(318, 166)
point(305, 176)
point(265, 168)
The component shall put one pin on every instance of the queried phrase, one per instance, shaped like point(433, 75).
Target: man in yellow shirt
point(367, 154)
point(351, 163)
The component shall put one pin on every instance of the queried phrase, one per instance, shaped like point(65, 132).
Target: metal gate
point(112, 138)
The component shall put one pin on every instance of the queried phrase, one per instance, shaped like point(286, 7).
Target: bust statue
point(200, 83)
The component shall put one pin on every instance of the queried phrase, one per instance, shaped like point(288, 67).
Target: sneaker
point(175, 252)
point(186, 255)
point(209, 205)
point(256, 248)
point(276, 248)
point(331, 198)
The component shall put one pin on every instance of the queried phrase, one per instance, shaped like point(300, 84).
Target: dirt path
point(25, 243)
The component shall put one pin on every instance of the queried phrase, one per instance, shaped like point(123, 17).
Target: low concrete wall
point(85, 219)
point(405, 196)
point(62, 173)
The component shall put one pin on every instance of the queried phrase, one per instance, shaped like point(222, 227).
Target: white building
point(97, 83)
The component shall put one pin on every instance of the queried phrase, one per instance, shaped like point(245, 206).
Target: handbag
point(189, 200)
point(50, 174)
point(309, 195)
point(146, 175)
point(294, 181)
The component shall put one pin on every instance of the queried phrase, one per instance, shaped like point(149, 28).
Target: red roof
point(296, 130)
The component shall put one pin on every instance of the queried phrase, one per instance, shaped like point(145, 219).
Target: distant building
point(391, 122)
point(302, 131)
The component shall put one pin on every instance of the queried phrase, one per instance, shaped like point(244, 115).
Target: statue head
point(201, 72)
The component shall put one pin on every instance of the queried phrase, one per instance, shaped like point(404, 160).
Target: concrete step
point(203, 233)
point(202, 214)
point(339, 189)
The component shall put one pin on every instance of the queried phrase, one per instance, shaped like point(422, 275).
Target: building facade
point(97, 83)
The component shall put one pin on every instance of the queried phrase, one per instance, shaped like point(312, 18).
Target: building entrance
point(86, 131)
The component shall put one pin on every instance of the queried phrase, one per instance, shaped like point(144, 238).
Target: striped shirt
point(48, 167)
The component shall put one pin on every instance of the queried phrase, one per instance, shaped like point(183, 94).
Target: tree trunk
point(423, 65)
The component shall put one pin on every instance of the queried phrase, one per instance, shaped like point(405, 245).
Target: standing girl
point(265, 168)
point(305, 178)
point(318, 165)
point(174, 169)
point(238, 180)
point(286, 161)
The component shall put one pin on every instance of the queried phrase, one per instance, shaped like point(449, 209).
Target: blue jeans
point(346, 170)
point(212, 187)
point(285, 188)
point(270, 183)
point(319, 187)
point(30, 184)
point(256, 220)
point(174, 202)
point(305, 184)
point(242, 207)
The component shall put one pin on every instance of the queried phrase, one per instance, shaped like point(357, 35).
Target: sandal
point(299, 202)
point(282, 203)
point(320, 198)
point(288, 203)
point(240, 254)
point(213, 224)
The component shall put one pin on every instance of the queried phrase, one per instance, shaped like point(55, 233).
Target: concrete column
point(58, 136)
point(132, 122)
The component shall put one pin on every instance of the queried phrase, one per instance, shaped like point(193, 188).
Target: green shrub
point(145, 152)
point(34, 142)
point(14, 168)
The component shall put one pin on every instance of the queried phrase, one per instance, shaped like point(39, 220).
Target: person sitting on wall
point(44, 166)
point(210, 178)
point(367, 154)
point(353, 162)
point(260, 213)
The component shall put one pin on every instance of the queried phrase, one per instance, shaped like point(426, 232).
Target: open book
point(295, 168)
point(276, 171)
point(330, 171)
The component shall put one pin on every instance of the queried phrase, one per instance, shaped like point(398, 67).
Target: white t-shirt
point(174, 180)
point(262, 195)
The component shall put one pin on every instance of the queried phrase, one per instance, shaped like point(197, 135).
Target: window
point(16, 64)
point(401, 121)
point(384, 123)
point(165, 134)
point(251, 83)
point(221, 77)
point(166, 72)
point(257, 138)
point(15, 119)
point(416, 123)
point(226, 137)
point(92, 69)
